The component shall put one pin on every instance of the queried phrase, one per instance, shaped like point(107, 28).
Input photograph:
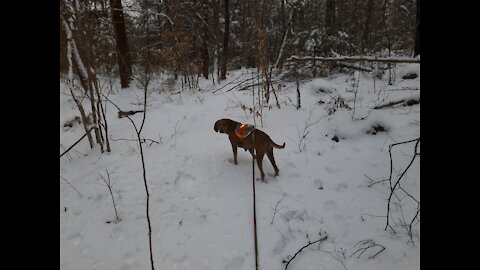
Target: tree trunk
point(205, 56)
point(417, 31)
point(225, 42)
point(330, 17)
point(72, 54)
point(216, 32)
point(366, 29)
point(123, 53)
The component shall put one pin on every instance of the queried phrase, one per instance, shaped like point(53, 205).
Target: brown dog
point(263, 143)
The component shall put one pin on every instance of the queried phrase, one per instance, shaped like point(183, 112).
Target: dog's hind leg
point(259, 163)
point(272, 160)
point(251, 152)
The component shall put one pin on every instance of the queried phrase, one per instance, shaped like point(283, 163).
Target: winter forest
point(161, 99)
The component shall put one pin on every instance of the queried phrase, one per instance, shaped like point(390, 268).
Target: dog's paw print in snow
point(129, 261)
point(236, 263)
point(318, 184)
point(330, 169)
point(341, 187)
point(75, 239)
point(330, 205)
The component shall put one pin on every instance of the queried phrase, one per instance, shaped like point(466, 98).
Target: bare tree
point(123, 52)
point(367, 27)
point(330, 17)
point(417, 30)
point(225, 42)
point(216, 31)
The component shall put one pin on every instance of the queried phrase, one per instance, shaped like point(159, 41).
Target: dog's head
point(225, 126)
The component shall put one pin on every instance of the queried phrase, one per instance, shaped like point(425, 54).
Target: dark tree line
point(209, 37)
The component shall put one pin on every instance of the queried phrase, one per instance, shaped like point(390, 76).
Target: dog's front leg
point(234, 148)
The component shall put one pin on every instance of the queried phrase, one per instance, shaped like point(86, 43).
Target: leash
point(254, 203)
point(253, 183)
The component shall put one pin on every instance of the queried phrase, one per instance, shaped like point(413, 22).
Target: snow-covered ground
point(201, 204)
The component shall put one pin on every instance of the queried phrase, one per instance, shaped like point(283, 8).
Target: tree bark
point(225, 42)
point(123, 52)
point(366, 29)
point(330, 17)
point(417, 31)
point(205, 56)
point(216, 32)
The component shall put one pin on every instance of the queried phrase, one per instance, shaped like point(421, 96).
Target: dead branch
point(352, 59)
point(144, 140)
point(86, 133)
point(373, 182)
point(122, 114)
point(365, 245)
point(322, 237)
point(68, 182)
point(275, 210)
point(406, 102)
point(108, 183)
point(394, 186)
point(353, 66)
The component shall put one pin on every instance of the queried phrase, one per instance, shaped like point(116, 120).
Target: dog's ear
point(215, 127)
point(232, 125)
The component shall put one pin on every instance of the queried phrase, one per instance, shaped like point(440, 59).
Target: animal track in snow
point(330, 169)
point(236, 263)
point(318, 184)
point(341, 187)
point(330, 205)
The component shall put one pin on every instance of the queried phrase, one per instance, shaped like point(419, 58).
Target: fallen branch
point(366, 244)
point(135, 140)
point(78, 192)
point(86, 133)
point(394, 186)
point(275, 210)
point(354, 59)
point(122, 114)
point(373, 182)
point(353, 66)
point(322, 237)
point(406, 101)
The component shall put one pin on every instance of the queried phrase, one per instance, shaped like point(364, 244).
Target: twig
point(109, 186)
point(369, 243)
point(335, 257)
point(78, 192)
point(135, 140)
point(373, 182)
point(392, 188)
point(322, 237)
point(275, 210)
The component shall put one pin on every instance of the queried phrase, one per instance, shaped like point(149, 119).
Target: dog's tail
point(276, 145)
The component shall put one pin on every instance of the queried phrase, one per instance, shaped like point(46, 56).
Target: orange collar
point(243, 130)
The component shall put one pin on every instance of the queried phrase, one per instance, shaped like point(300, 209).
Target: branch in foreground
point(322, 237)
point(394, 186)
point(86, 133)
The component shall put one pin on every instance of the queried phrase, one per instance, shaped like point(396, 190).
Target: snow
point(201, 203)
